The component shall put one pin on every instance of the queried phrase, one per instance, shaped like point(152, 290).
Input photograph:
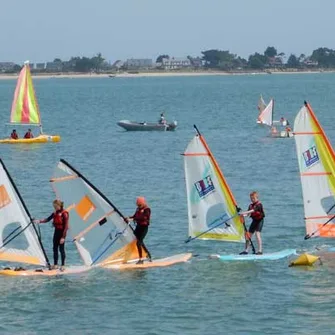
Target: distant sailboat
point(25, 110)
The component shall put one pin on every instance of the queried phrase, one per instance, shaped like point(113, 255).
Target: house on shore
point(176, 63)
point(138, 64)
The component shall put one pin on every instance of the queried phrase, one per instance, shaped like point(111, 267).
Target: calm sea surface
point(203, 296)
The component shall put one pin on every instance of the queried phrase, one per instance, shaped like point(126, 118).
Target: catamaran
point(25, 110)
point(98, 228)
point(316, 158)
point(265, 118)
point(213, 213)
point(20, 241)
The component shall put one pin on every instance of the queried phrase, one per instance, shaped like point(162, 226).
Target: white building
point(176, 63)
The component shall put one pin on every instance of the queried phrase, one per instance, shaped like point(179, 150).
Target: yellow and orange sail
point(316, 159)
point(212, 208)
point(25, 107)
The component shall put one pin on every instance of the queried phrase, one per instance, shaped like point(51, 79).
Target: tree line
point(210, 59)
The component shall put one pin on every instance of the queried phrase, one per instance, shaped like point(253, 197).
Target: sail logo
point(204, 186)
point(4, 197)
point(85, 208)
point(310, 156)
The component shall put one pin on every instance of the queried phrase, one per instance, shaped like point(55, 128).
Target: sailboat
point(265, 118)
point(98, 228)
point(316, 158)
point(213, 213)
point(25, 110)
point(20, 242)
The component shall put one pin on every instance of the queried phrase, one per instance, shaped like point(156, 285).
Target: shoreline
point(159, 74)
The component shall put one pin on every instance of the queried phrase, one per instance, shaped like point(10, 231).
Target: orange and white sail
point(19, 241)
point(261, 104)
point(25, 109)
point(212, 208)
point(266, 116)
point(97, 227)
point(316, 160)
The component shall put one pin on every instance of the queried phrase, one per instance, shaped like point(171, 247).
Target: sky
point(41, 30)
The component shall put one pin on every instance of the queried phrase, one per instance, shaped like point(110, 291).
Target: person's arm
point(66, 223)
point(49, 218)
point(129, 218)
point(146, 214)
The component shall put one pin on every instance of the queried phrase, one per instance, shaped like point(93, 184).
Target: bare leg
point(259, 241)
point(247, 242)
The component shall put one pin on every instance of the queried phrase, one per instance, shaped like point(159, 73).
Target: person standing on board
point(14, 135)
point(257, 214)
point(142, 219)
point(29, 134)
point(60, 221)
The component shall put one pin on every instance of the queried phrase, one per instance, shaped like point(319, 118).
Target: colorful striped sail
point(212, 208)
point(97, 227)
point(316, 160)
point(25, 107)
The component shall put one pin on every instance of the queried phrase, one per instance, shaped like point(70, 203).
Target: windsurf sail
point(212, 208)
point(266, 116)
point(316, 160)
point(25, 109)
point(19, 241)
point(261, 104)
point(97, 227)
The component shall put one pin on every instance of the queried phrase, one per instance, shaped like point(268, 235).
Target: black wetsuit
point(142, 219)
point(60, 222)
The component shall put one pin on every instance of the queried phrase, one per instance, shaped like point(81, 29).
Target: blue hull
point(265, 257)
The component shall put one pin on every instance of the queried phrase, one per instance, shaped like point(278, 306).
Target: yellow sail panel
point(212, 209)
point(25, 107)
point(317, 169)
point(10, 256)
point(126, 254)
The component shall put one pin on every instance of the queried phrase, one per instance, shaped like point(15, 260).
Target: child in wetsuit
point(256, 226)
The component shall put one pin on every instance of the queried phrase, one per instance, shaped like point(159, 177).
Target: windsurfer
point(256, 226)
point(142, 219)
point(60, 219)
point(29, 134)
point(14, 135)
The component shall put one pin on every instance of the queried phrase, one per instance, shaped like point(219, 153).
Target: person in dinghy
point(60, 219)
point(257, 215)
point(29, 134)
point(142, 220)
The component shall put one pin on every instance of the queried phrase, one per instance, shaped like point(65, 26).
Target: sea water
point(204, 296)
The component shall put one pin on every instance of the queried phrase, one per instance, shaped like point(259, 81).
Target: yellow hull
point(181, 258)
point(304, 260)
point(45, 272)
point(39, 139)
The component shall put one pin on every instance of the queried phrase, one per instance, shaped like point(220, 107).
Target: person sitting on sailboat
point(60, 219)
point(14, 135)
point(256, 226)
point(29, 134)
point(142, 219)
point(162, 119)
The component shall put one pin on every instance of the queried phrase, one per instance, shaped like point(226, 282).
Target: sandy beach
point(157, 74)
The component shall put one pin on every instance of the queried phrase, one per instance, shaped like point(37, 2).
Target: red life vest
point(59, 221)
point(258, 213)
point(14, 136)
point(142, 216)
point(28, 135)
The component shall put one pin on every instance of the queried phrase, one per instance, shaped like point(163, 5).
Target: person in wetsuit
point(257, 215)
point(142, 219)
point(29, 134)
point(14, 135)
point(60, 219)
